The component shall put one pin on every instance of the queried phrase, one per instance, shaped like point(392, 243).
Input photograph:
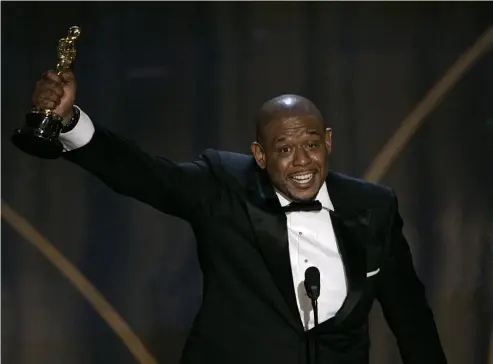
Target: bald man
point(261, 222)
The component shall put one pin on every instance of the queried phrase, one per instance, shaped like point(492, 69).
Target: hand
point(56, 93)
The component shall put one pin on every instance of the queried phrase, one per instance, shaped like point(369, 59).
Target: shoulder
point(230, 166)
point(360, 192)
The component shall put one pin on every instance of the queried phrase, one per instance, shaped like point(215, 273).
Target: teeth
point(303, 178)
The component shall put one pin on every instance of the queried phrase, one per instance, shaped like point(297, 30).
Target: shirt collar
point(322, 196)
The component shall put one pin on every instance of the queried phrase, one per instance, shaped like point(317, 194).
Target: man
point(260, 222)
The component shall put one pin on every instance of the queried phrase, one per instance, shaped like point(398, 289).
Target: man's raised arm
point(180, 189)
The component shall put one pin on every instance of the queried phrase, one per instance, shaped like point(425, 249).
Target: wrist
point(71, 121)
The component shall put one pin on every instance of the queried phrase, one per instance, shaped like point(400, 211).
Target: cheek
point(319, 157)
point(278, 170)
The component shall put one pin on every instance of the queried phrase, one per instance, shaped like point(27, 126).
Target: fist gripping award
point(39, 135)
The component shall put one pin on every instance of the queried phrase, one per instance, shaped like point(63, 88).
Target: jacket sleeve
point(179, 189)
point(403, 299)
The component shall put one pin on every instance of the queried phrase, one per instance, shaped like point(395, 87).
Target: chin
point(304, 197)
point(304, 194)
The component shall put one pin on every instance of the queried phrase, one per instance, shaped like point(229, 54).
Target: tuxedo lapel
point(349, 231)
point(350, 225)
point(269, 225)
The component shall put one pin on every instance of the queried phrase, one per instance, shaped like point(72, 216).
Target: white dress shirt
point(311, 238)
point(312, 242)
point(80, 135)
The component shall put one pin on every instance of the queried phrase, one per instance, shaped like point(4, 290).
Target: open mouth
point(302, 179)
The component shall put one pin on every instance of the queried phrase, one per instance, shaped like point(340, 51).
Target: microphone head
point(312, 282)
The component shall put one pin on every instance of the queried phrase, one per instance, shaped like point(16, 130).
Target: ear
point(258, 153)
point(328, 140)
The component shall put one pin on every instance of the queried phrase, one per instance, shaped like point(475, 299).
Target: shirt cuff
point(80, 135)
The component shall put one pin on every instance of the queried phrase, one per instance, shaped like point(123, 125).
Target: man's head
point(293, 146)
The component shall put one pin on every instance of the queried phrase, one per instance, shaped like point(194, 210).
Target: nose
point(301, 157)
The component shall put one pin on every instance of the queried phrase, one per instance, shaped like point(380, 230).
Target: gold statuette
point(40, 134)
point(67, 51)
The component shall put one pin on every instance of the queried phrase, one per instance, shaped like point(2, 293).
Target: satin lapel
point(350, 234)
point(351, 228)
point(269, 226)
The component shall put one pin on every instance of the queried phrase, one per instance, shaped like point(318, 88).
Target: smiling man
point(260, 222)
point(293, 146)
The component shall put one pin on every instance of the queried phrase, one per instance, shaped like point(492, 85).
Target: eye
point(313, 145)
point(284, 149)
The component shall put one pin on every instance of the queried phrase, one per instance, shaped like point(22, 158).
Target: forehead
point(287, 125)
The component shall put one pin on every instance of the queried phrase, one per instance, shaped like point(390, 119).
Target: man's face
point(294, 151)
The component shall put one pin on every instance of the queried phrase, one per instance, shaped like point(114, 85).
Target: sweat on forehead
point(285, 106)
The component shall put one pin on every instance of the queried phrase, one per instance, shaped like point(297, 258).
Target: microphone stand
point(313, 342)
point(312, 287)
point(315, 311)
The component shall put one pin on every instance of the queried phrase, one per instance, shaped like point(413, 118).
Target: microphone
point(312, 287)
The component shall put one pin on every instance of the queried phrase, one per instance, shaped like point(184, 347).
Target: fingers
point(68, 77)
point(55, 92)
point(62, 79)
point(55, 88)
point(50, 80)
point(47, 99)
point(52, 76)
point(49, 91)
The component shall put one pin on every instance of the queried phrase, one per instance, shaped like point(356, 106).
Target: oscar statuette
point(39, 135)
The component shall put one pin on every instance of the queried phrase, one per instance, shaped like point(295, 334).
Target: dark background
point(181, 77)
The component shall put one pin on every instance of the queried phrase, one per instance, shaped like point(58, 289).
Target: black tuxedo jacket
point(249, 313)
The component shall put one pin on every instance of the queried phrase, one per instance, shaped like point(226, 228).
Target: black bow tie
point(303, 206)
